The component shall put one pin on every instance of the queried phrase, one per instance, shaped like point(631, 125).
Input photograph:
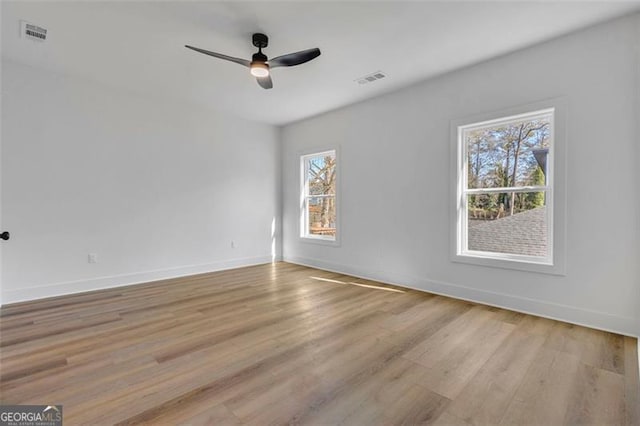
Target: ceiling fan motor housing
point(259, 57)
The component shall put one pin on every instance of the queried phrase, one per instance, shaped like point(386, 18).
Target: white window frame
point(304, 197)
point(554, 262)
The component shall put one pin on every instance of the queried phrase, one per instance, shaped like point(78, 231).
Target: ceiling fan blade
point(265, 82)
point(294, 58)
point(244, 62)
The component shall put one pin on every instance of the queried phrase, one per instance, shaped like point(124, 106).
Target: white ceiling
point(139, 45)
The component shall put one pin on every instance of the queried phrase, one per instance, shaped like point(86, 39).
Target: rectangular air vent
point(32, 32)
point(370, 78)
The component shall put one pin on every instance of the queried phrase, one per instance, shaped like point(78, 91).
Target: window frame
point(554, 262)
point(304, 234)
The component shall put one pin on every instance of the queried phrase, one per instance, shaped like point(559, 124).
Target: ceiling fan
point(260, 66)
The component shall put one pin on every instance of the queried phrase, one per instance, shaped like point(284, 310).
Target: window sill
point(537, 266)
point(321, 241)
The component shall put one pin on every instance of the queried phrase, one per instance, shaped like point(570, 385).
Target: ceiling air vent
point(32, 32)
point(370, 78)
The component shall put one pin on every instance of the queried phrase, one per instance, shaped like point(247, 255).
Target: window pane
point(508, 154)
point(493, 226)
point(321, 174)
point(321, 215)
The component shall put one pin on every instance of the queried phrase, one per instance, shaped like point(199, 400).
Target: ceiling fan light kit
point(260, 65)
point(259, 69)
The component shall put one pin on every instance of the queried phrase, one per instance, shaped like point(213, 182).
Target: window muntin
point(319, 210)
point(505, 197)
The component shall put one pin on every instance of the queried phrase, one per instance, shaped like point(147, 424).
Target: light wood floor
point(282, 343)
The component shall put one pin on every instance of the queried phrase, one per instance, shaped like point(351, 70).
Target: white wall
point(155, 189)
point(638, 153)
point(395, 164)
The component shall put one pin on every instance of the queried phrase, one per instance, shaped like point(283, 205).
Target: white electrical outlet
point(92, 258)
point(233, 244)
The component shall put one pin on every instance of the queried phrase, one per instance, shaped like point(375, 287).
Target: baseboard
point(101, 283)
point(592, 319)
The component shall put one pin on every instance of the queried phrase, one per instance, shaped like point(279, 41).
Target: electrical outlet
point(233, 244)
point(92, 258)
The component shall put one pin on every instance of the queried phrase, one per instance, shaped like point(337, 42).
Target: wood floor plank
point(19, 335)
point(447, 339)
point(24, 369)
point(631, 382)
point(545, 393)
point(448, 419)
point(598, 398)
point(486, 397)
point(454, 361)
point(381, 387)
point(602, 350)
point(416, 406)
point(286, 344)
point(218, 415)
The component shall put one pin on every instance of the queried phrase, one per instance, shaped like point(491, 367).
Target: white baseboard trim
point(588, 318)
point(101, 283)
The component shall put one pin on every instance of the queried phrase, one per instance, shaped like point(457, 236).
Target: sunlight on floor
point(358, 284)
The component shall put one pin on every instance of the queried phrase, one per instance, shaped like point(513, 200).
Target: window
point(505, 188)
point(318, 205)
